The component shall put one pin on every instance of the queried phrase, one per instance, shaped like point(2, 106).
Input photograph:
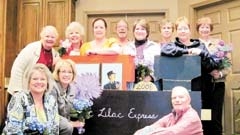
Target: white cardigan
point(24, 61)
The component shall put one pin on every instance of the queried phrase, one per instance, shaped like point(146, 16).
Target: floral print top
point(21, 112)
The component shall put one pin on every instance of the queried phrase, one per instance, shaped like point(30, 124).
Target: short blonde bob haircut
point(44, 70)
point(64, 62)
point(144, 24)
point(49, 28)
point(204, 20)
point(74, 27)
point(182, 19)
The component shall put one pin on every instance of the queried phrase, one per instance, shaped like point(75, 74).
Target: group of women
point(40, 88)
point(38, 91)
point(47, 98)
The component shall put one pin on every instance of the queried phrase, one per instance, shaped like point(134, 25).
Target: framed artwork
point(88, 68)
point(111, 76)
point(119, 63)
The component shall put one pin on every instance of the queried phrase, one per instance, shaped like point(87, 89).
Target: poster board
point(123, 112)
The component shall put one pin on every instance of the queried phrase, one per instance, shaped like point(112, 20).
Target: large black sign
point(123, 112)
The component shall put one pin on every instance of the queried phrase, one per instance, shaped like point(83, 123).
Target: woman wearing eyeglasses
point(64, 74)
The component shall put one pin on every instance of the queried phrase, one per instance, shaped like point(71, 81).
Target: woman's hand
point(216, 74)
point(194, 51)
point(77, 123)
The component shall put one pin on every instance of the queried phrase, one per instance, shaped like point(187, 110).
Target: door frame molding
point(194, 7)
point(3, 101)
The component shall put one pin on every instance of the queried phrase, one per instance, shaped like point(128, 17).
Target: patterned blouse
point(21, 112)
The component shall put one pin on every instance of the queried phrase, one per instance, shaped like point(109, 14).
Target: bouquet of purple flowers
point(87, 88)
point(220, 55)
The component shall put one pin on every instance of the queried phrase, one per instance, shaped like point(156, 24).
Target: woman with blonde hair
point(64, 74)
point(74, 39)
point(166, 29)
point(41, 51)
point(33, 110)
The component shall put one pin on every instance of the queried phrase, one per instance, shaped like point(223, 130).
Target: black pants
point(213, 98)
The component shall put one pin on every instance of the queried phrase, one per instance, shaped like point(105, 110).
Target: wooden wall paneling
point(11, 35)
point(58, 13)
point(226, 19)
point(25, 19)
point(29, 21)
point(3, 4)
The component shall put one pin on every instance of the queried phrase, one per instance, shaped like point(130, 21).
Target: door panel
point(112, 19)
point(2, 57)
point(58, 14)
point(30, 22)
point(226, 20)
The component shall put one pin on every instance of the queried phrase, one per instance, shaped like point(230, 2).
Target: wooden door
point(30, 21)
point(59, 13)
point(153, 19)
point(34, 14)
point(226, 20)
point(2, 56)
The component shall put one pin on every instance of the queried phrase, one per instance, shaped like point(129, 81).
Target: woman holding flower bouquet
point(64, 74)
point(33, 111)
point(74, 39)
point(185, 45)
point(213, 97)
point(145, 49)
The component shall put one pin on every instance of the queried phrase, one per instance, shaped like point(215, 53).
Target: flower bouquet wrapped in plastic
point(220, 55)
point(81, 110)
point(65, 47)
point(141, 72)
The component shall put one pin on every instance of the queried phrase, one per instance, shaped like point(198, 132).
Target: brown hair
point(97, 19)
point(143, 23)
point(204, 20)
